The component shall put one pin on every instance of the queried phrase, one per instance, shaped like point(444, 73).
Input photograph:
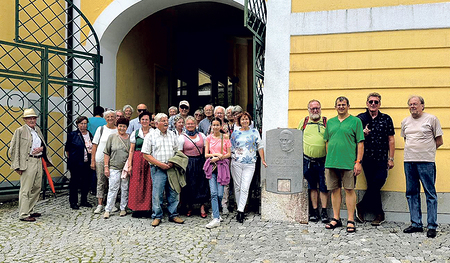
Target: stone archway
point(115, 22)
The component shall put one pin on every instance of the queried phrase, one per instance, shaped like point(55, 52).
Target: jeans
point(242, 176)
point(115, 182)
point(426, 173)
point(216, 190)
point(159, 180)
point(376, 173)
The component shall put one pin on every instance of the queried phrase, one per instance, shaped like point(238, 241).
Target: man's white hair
point(159, 116)
point(219, 107)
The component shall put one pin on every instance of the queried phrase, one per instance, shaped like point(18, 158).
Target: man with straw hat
point(26, 151)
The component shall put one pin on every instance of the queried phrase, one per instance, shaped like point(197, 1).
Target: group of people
point(337, 150)
point(197, 156)
point(192, 157)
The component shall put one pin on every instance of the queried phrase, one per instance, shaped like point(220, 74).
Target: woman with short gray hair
point(128, 111)
point(99, 143)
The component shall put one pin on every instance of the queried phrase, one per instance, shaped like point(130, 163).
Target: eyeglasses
point(197, 114)
point(314, 109)
point(184, 107)
point(374, 102)
point(414, 104)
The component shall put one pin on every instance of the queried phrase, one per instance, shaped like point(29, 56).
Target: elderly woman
point(179, 125)
point(245, 142)
point(192, 143)
point(218, 150)
point(119, 114)
point(173, 111)
point(230, 117)
point(78, 151)
point(140, 192)
point(199, 116)
point(99, 143)
point(116, 153)
point(128, 111)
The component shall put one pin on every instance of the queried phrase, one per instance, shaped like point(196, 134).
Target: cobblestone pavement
point(65, 235)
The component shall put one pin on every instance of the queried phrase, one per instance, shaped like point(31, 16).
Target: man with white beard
point(314, 152)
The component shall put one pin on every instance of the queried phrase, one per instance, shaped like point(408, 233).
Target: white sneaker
point(225, 211)
point(115, 209)
point(214, 223)
point(220, 218)
point(98, 210)
point(123, 213)
point(106, 215)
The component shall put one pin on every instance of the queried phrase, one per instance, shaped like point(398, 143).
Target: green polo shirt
point(343, 138)
point(313, 143)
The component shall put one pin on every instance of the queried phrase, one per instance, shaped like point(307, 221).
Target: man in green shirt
point(314, 151)
point(344, 138)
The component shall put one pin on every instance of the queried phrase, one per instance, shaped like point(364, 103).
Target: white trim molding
point(388, 18)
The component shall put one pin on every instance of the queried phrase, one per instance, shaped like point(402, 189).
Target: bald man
point(134, 123)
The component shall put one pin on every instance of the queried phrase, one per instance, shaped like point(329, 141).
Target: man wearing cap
point(184, 111)
point(26, 151)
point(134, 123)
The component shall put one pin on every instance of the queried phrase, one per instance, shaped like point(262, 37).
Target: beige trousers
point(30, 187)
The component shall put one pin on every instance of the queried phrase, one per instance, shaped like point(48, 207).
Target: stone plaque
point(284, 157)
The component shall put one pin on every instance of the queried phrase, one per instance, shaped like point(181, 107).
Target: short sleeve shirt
point(313, 144)
point(159, 145)
point(376, 144)
point(215, 144)
point(244, 145)
point(101, 141)
point(420, 137)
point(118, 149)
point(343, 138)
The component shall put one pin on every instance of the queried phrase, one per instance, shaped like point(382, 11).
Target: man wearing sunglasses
point(183, 108)
point(134, 123)
point(379, 148)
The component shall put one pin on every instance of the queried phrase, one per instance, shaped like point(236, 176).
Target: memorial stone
point(282, 196)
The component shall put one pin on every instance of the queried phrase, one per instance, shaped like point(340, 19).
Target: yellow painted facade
point(299, 6)
point(396, 64)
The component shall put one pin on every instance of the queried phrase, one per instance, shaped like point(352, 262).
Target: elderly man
point(159, 146)
point(184, 111)
point(204, 125)
point(173, 111)
point(134, 123)
point(423, 135)
point(314, 152)
point(344, 138)
point(26, 152)
point(379, 148)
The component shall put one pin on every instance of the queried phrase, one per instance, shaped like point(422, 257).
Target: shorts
point(314, 173)
point(338, 178)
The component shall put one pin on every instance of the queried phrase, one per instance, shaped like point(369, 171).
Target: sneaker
point(115, 209)
point(314, 216)
point(225, 211)
point(324, 216)
point(123, 213)
point(378, 220)
point(359, 213)
point(106, 215)
point(220, 218)
point(214, 223)
point(98, 210)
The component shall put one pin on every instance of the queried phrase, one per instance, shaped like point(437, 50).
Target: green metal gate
point(53, 66)
point(255, 19)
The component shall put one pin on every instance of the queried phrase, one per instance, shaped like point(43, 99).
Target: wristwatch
point(390, 159)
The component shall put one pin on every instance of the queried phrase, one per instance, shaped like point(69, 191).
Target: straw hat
point(29, 113)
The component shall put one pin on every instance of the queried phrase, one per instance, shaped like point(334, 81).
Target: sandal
point(189, 213)
point(333, 226)
point(351, 229)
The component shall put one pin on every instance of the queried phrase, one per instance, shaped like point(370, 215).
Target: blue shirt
point(94, 123)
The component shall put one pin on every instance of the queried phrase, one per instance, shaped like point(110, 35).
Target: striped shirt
point(159, 145)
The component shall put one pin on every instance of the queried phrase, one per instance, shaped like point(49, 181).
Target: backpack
point(324, 119)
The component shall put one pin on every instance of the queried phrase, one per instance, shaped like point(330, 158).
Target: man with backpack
point(314, 152)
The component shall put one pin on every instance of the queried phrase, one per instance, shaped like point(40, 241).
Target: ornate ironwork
point(54, 67)
point(255, 14)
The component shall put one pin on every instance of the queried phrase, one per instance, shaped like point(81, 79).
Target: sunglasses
point(373, 102)
point(184, 107)
point(140, 110)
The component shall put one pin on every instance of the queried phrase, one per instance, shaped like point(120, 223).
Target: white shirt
point(101, 142)
point(36, 141)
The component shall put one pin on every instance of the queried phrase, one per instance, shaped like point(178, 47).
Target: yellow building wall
point(396, 64)
point(299, 6)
